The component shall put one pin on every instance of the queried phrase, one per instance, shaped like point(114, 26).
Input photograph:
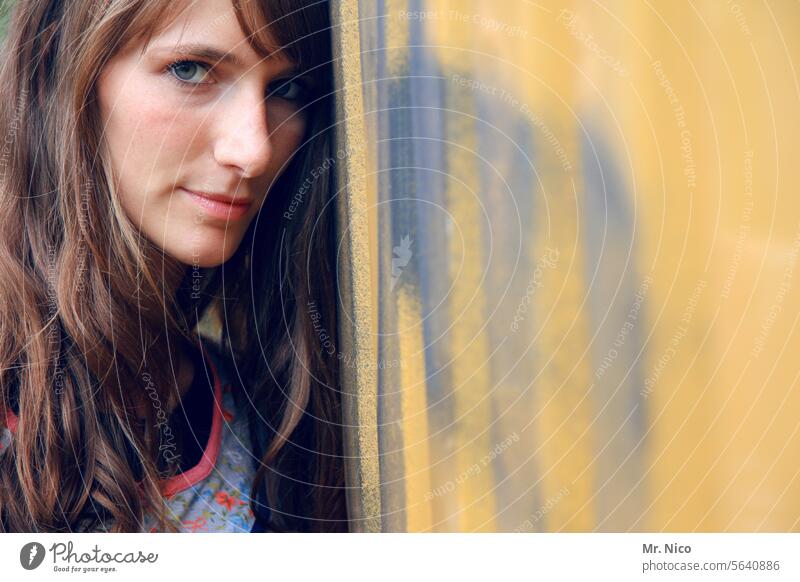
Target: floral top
point(212, 496)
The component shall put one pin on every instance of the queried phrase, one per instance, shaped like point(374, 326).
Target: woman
point(141, 141)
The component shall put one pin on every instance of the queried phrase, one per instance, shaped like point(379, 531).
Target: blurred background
point(570, 266)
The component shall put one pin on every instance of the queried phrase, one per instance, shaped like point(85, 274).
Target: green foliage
point(5, 8)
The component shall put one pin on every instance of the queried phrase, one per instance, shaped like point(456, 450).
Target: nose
point(243, 140)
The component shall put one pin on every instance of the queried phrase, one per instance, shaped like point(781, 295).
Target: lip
point(219, 206)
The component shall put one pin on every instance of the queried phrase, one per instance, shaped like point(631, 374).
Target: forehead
point(212, 23)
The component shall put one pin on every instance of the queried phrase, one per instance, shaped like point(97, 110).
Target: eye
point(289, 89)
point(190, 72)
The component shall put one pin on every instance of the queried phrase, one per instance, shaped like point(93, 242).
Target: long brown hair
point(83, 307)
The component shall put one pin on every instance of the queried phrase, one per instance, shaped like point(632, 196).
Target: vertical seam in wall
point(357, 337)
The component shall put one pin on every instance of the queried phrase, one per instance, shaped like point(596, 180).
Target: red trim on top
point(203, 469)
point(11, 419)
point(207, 462)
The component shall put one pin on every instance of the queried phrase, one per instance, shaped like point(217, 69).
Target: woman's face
point(197, 128)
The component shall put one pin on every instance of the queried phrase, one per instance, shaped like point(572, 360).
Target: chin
point(205, 256)
point(209, 261)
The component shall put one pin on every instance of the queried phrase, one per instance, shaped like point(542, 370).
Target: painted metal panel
point(585, 233)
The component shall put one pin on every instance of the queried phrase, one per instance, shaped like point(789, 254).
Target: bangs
point(150, 19)
point(298, 30)
point(295, 29)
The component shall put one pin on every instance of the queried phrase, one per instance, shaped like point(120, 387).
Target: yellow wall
point(570, 175)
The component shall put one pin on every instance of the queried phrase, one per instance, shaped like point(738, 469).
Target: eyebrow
point(217, 56)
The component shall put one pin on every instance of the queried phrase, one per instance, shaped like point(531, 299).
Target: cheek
point(143, 121)
point(149, 137)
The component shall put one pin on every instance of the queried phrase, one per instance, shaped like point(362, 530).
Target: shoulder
point(7, 432)
point(5, 440)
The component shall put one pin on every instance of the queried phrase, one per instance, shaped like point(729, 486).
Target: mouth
point(221, 206)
